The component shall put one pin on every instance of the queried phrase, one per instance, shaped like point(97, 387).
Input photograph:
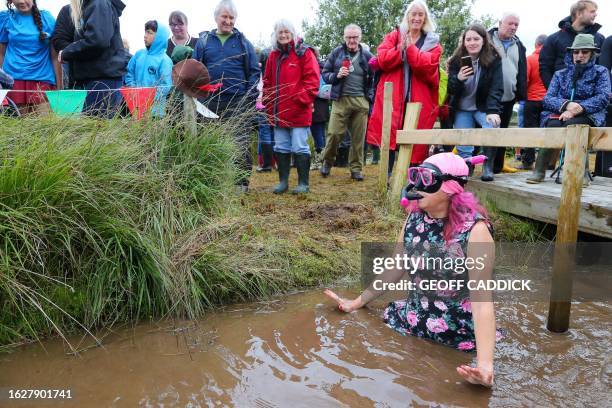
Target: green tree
point(378, 17)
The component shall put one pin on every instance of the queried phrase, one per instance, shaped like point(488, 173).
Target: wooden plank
point(577, 139)
point(552, 138)
point(190, 116)
point(595, 216)
point(600, 139)
point(383, 169)
point(411, 120)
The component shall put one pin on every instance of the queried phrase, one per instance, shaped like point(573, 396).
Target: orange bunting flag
point(139, 100)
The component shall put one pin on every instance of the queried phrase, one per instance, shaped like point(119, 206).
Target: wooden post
point(385, 138)
point(576, 142)
point(190, 116)
point(411, 120)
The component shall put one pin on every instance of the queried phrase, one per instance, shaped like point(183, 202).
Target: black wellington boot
point(283, 160)
point(487, 168)
point(302, 162)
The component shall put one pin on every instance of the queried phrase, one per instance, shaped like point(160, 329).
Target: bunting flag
point(204, 111)
point(3, 93)
point(138, 100)
point(66, 102)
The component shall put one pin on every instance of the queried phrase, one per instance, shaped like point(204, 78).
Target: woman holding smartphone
point(475, 88)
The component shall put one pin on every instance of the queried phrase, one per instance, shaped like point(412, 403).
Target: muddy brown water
point(299, 350)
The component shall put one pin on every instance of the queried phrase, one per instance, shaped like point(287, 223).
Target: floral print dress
point(442, 316)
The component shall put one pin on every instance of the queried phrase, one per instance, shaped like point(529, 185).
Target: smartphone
point(466, 61)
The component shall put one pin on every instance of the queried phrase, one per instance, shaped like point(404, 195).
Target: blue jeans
point(468, 120)
point(318, 135)
point(265, 131)
point(291, 140)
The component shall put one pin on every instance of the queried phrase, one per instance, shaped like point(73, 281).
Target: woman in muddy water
point(445, 222)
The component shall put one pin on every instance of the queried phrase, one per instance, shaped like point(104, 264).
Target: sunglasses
point(429, 178)
point(583, 52)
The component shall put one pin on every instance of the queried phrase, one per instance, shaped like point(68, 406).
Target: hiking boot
point(540, 167)
point(357, 175)
point(487, 167)
point(283, 160)
point(302, 163)
point(325, 169)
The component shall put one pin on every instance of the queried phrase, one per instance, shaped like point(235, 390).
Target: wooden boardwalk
point(512, 194)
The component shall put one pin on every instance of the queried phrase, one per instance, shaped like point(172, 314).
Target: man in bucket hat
point(577, 95)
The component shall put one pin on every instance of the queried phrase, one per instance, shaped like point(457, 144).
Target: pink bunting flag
point(139, 100)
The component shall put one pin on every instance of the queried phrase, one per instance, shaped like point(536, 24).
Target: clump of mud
point(336, 217)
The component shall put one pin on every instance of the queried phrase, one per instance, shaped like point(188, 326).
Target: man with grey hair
point(350, 75)
point(232, 62)
point(514, 68)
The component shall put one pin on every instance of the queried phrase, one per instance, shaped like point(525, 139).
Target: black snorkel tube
point(410, 192)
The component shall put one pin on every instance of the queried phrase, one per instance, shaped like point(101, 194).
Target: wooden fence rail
point(575, 139)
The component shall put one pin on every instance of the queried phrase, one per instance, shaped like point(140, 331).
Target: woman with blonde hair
point(97, 56)
point(409, 57)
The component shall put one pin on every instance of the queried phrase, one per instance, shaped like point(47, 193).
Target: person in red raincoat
point(290, 85)
point(409, 57)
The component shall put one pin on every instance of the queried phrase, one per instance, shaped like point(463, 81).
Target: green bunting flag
point(66, 102)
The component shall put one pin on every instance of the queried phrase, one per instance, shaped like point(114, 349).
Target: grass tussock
point(106, 221)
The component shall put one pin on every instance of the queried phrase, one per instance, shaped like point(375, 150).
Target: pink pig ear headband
point(444, 171)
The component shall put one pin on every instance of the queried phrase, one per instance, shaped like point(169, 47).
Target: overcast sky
point(256, 18)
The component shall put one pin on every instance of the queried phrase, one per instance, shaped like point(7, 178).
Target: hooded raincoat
point(415, 76)
point(152, 67)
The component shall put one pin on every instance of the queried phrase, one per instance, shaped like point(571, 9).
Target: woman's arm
point(389, 52)
point(481, 246)
point(368, 295)
point(425, 64)
point(310, 78)
point(552, 100)
point(601, 98)
point(57, 68)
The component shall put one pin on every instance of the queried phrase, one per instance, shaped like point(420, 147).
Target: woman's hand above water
point(345, 305)
point(477, 375)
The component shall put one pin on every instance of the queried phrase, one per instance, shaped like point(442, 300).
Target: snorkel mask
point(428, 178)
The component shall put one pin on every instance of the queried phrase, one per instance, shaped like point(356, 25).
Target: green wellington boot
point(540, 167)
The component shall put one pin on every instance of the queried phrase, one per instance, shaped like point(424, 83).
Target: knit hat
point(584, 42)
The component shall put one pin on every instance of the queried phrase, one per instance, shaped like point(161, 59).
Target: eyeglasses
point(352, 38)
point(174, 25)
point(583, 52)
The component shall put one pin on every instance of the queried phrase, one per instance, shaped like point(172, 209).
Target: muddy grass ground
point(315, 238)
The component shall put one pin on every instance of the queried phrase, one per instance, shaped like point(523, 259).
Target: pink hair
point(463, 205)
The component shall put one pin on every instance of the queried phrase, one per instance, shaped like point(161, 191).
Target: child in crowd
point(26, 53)
point(151, 66)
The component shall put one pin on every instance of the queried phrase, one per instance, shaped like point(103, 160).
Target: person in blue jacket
point(151, 66)
point(26, 53)
point(231, 61)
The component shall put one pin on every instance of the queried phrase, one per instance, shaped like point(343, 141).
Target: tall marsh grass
point(106, 221)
